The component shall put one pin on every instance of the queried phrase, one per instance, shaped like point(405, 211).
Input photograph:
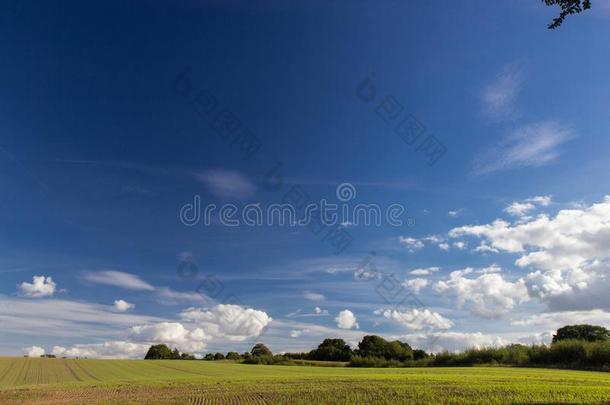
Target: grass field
point(203, 382)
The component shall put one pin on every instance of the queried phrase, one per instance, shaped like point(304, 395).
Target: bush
point(598, 354)
point(568, 353)
point(539, 354)
point(370, 361)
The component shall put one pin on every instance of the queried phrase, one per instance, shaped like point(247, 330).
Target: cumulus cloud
point(570, 253)
point(461, 245)
point(452, 341)
point(346, 320)
point(228, 322)
point(227, 184)
point(313, 296)
point(173, 334)
point(106, 350)
point(411, 243)
point(532, 145)
point(320, 311)
point(415, 284)
point(33, 351)
point(489, 294)
point(416, 319)
point(521, 208)
point(198, 328)
point(555, 320)
point(295, 333)
point(122, 305)
point(424, 271)
point(40, 286)
point(120, 279)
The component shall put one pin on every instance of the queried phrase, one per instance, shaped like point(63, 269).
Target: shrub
point(568, 352)
point(370, 361)
point(598, 354)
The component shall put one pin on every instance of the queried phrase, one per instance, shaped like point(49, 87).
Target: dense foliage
point(332, 350)
point(573, 346)
point(590, 333)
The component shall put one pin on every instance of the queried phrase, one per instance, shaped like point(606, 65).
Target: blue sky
point(105, 139)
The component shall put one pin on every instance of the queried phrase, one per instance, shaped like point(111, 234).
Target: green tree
point(158, 352)
point(419, 354)
point(332, 350)
point(233, 356)
point(260, 349)
point(219, 356)
point(590, 333)
point(209, 356)
point(398, 350)
point(376, 346)
point(567, 7)
point(372, 346)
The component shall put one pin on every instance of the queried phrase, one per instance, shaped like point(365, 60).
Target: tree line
point(573, 346)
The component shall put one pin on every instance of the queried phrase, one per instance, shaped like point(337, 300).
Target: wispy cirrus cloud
point(115, 278)
point(227, 184)
point(530, 145)
point(498, 97)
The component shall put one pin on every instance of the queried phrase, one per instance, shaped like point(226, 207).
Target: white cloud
point(120, 279)
point(455, 213)
point(416, 319)
point(424, 271)
point(485, 248)
point(452, 341)
point(521, 208)
point(555, 320)
point(227, 184)
point(499, 96)
point(528, 146)
point(461, 245)
point(65, 318)
point(346, 320)
point(173, 334)
point(415, 284)
point(40, 286)
point(411, 243)
point(172, 297)
point(106, 350)
point(122, 305)
point(443, 246)
point(569, 252)
point(295, 333)
point(320, 311)
point(490, 294)
point(33, 351)
point(228, 322)
point(313, 296)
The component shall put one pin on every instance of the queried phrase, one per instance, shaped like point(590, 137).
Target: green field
point(211, 382)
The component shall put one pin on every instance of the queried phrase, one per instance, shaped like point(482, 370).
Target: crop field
point(49, 381)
